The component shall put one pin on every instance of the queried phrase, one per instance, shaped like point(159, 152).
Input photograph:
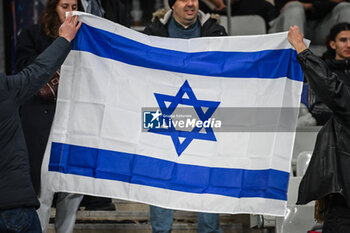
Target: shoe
point(109, 206)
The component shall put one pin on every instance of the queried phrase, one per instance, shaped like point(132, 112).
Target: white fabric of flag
point(98, 145)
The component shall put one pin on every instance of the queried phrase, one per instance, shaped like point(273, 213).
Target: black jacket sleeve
point(27, 82)
point(326, 84)
point(156, 28)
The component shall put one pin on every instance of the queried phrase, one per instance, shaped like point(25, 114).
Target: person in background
point(262, 8)
point(315, 18)
point(206, 6)
point(18, 198)
point(339, 63)
point(219, 5)
point(114, 10)
point(184, 20)
point(327, 178)
point(38, 111)
point(212, 6)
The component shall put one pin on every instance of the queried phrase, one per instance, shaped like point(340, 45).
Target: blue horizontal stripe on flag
point(263, 64)
point(148, 171)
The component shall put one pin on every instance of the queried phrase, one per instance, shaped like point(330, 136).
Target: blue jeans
point(162, 221)
point(20, 220)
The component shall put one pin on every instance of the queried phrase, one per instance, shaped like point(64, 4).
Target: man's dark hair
point(335, 30)
point(171, 2)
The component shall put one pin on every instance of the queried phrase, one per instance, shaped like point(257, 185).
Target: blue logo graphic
point(152, 119)
point(189, 100)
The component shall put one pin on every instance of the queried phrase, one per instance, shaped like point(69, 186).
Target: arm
point(219, 4)
point(326, 84)
point(307, 6)
point(24, 84)
point(281, 4)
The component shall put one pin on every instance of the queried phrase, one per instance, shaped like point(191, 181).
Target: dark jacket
point(328, 171)
point(320, 8)
point(36, 114)
point(210, 26)
point(319, 110)
point(117, 11)
point(262, 8)
point(16, 188)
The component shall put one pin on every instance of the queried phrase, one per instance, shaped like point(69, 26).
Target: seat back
point(299, 218)
point(245, 25)
point(303, 161)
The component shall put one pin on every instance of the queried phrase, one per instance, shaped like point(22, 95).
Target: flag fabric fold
point(106, 142)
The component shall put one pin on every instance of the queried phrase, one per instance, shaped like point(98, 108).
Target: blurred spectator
point(212, 6)
point(148, 7)
point(18, 14)
point(163, 22)
point(117, 11)
point(315, 18)
point(219, 5)
point(114, 10)
point(207, 6)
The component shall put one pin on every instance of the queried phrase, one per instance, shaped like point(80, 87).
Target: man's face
point(185, 11)
point(341, 45)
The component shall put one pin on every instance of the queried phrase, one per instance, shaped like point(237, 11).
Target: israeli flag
point(107, 141)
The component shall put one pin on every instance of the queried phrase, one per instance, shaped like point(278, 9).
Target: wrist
point(299, 47)
point(65, 38)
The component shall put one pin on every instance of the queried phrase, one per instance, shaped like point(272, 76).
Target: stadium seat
point(305, 139)
point(299, 218)
point(245, 25)
point(303, 161)
point(318, 50)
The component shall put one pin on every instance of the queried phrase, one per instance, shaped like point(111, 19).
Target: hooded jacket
point(328, 171)
point(209, 25)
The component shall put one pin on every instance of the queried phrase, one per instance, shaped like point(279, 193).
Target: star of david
point(198, 105)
